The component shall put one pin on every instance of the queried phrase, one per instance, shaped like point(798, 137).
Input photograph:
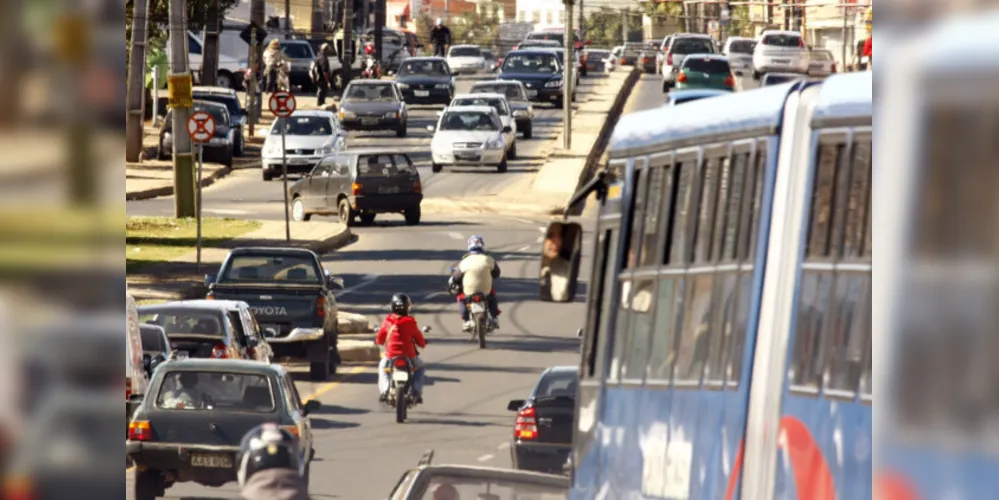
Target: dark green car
point(705, 71)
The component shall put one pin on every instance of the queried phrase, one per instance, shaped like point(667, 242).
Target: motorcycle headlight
point(554, 84)
point(403, 85)
point(441, 86)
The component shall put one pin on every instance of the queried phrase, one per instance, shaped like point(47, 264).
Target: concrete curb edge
point(147, 194)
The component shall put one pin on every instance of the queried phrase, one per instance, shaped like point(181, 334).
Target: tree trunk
point(210, 59)
point(135, 92)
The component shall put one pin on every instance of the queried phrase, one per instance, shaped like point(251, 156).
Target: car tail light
point(355, 189)
point(220, 351)
point(293, 429)
point(729, 81)
point(401, 363)
point(833, 67)
point(623, 61)
point(321, 307)
point(18, 488)
point(526, 427)
point(417, 187)
point(682, 77)
point(477, 299)
point(139, 430)
point(669, 60)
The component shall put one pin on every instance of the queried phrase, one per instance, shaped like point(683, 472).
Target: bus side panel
point(622, 466)
point(926, 471)
point(586, 468)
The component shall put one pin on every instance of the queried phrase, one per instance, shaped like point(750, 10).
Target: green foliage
point(604, 27)
point(478, 28)
point(740, 25)
point(159, 17)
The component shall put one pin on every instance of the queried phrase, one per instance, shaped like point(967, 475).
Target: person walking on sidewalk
point(320, 73)
point(274, 63)
point(440, 36)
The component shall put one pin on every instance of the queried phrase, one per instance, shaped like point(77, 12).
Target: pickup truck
point(290, 296)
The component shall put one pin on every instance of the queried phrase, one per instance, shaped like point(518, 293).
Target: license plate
point(400, 376)
point(298, 161)
point(211, 460)
point(478, 308)
point(782, 61)
point(532, 93)
point(421, 93)
point(369, 121)
point(467, 156)
point(388, 190)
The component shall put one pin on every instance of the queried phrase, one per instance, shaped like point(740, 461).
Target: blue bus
point(727, 348)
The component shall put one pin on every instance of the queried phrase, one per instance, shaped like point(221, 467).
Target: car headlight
point(554, 84)
point(271, 150)
point(325, 150)
point(496, 143)
point(518, 114)
point(403, 85)
point(394, 114)
point(347, 115)
point(441, 86)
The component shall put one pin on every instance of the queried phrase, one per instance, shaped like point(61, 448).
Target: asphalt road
point(243, 194)
point(360, 451)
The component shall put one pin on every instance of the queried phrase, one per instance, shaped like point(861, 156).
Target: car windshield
point(152, 340)
point(466, 52)
point(783, 40)
point(215, 390)
point(453, 487)
point(266, 268)
point(231, 103)
point(371, 92)
point(469, 120)
point(822, 55)
point(303, 125)
point(184, 322)
point(297, 50)
point(692, 46)
point(557, 383)
point(512, 92)
point(498, 104)
point(428, 68)
point(706, 65)
point(742, 46)
point(540, 44)
point(531, 63)
point(384, 165)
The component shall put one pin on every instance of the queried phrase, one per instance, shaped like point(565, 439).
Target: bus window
point(737, 343)
point(637, 216)
point(866, 379)
point(707, 202)
point(858, 200)
point(668, 211)
point(661, 353)
point(692, 343)
point(733, 205)
point(820, 223)
point(847, 332)
point(751, 222)
point(649, 254)
point(683, 194)
point(813, 304)
point(597, 343)
point(721, 325)
point(621, 330)
point(721, 209)
point(643, 298)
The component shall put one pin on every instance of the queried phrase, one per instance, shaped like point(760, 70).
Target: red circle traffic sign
point(282, 104)
point(201, 126)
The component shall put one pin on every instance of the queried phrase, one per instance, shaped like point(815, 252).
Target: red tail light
point(729, 81)
point(669, 60)
point(139, 430)
point(355, 189)
point(526, 427)
point(220, 351)
point(682, 77)
point(16, 488)
point(417, 187)
point(321, 307)
point(623, 61)
point(400, 363)
point(476, 299)
point(833, 67)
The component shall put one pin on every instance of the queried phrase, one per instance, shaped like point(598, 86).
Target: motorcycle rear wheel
point(480, 331)
point(400, 406)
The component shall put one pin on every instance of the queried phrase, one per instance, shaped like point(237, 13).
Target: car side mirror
point(560, 256)
point(311, 406)
point(335, 280)
point(426, 329)
point(210, 279)
point(507, 130)
point(515, 404)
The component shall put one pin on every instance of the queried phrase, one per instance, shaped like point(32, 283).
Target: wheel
point(298, 212)
point(435, 168)
point(367, 219)
point(346, 213)
point(240, 145)
point(401, 131)
point(147, 484)
point(267, 175)
point(756, 75)
point(412, 216)
point(228, 159)
point(480, 331)
point(665, 87)
point(400, 406)
point(560, 103)
point(502, 166)
point(160, 154)
point(320, 370)
point(513, 151)
point(528, 130)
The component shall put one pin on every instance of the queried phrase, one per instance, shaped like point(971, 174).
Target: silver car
point(502, 107)
point(821, 63)
point(782, 51)
point(471, 136)
point(309, 135)
point(466, 59)
point(516, 97)
point(739, 51)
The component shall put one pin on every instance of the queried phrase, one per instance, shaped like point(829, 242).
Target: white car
point(739, 51)
point(821, 63)
point(780, 51)
point(502, 107)
point(466, 59)
point(681, 45)
point(309, 136)
point(471, 136)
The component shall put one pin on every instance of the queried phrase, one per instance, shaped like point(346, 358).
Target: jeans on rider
point(491, 301)
point(273, 76)
point(383, 377)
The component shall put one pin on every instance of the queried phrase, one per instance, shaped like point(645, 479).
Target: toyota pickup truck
point(291, 297)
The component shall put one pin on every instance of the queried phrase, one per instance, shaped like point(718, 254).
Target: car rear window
point(266, 268)
point(231, 103)
point(692, 46)
point(510, 91)
point(557, 384)
point(821, 55)
point(494, 103)
point(742, 46)
point(184, 322)
point(706, 65)
point(152, 340)
point(297, 50)
point(465, 52)
point(783, 40)
point(471, 487)
point(215, 390)
point(381, 166)
point(555, 37)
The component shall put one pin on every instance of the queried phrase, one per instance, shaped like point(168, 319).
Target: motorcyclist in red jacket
point(401, 336)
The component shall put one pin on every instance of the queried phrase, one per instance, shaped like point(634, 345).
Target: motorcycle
point(482, 321)
point(372, 67)
point(400, 393)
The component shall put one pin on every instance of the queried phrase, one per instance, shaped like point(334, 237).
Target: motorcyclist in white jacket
point(476, 272)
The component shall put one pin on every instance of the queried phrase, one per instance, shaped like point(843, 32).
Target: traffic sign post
point(201, 128)
point(282, 104)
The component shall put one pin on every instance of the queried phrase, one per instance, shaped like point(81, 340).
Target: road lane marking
point(333, 385)
point(485, 458)
point(225, 211)
point(503, 446)
point(454, 235)
point(435, 295)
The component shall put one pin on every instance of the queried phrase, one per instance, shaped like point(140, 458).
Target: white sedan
point(502, 107)
point(471, 136)
point(466, 59)
point(309, 136)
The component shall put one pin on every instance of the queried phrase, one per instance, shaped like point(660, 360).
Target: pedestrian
point(320, 73)
point(440, 36)
point(274, 61)
point(869, 53)
point(269, 465)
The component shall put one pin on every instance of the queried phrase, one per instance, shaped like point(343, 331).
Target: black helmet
point(400, 304)
point(268, 446)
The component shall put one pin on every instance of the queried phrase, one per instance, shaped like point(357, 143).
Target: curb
point(353, 351)
point(146, 194)
point(453, 205)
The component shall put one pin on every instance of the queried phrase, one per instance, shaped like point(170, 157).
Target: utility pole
point(624, 26)
point(253, 94)
point(582, 21)
point(180, 97)
point(846, 12)
point(135, 93)
point(568, 78)
point(287, 18)
point(73, 34)
point(210, 59)
point(348, 41)
point(317, 20)
point(447, 11)
point(379, 27)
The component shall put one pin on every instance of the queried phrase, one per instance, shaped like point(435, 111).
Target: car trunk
point(211, 428)
point(555, 419)
point(273, 307)
point(196, 346)
point(782, 46)
point(387, 185)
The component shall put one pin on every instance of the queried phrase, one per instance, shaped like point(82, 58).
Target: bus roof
point(846, 97)
point(648, 131)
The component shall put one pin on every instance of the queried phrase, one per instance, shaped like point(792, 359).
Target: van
point(136, 377)
point(231, 69)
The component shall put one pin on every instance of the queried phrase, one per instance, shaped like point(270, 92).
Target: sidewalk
point(152, 177)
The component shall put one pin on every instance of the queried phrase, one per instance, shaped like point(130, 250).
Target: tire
point(401, 131)
point(240, 148)
point(412, 216)
point(513, 151)
point(347, 214)
point(367, 219)
point(560, 103)
point(528, 130)
point(267, 175)
point(480, 331)
point(320, 371)
point(756, 75)
point(147, 484)
point(400, 406)
point(298, 212)
point(435, 168)
point(665, 87)
point(224, 79)
point(501, 168)
point(228, 160)
point(160, 154)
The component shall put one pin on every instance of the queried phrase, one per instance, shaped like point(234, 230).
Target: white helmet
point(439, 21)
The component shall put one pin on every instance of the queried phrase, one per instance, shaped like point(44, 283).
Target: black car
point(540, 70)
point(373, 105)
point(290, 294)
point(220, 147)
point(425, 80)
point(359, 184)
point(155, 346)
point(237, 113)
point(543, 430)
point(189, 426)
point(300, 55)
point(202, 329)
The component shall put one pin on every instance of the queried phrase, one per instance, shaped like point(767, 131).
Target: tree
point(159, 18)
point(604, 26)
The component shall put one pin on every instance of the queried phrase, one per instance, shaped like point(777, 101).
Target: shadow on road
point(456, 367)
point(339, 410)
point(323, 424)
point(451, 421)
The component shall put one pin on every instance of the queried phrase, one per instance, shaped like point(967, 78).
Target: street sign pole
point(201, 129)
point(282, 104)
point(284, 176)
point(201, 165)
